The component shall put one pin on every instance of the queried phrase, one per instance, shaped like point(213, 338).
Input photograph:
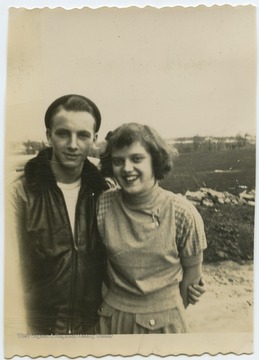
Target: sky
point(184, 71)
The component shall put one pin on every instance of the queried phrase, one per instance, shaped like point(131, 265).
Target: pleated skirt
point(114, 321)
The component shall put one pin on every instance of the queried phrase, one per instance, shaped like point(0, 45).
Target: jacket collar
point(39, 175)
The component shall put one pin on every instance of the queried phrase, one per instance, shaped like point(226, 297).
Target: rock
point(208, 197)
point(216, 194)
point(247, 196)
point(234, 201)
point(205, 190)
point(196, 196)
point(251, 203)
point(233, 197)
point(241, 262)
point(242, 201)
point(207, 202)
point(221, 254)
point(195, 203)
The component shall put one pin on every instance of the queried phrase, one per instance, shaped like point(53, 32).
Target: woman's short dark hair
point(75, 103)
point(126, 135)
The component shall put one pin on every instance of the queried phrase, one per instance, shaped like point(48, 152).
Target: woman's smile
point(133, 169)
point(130, 178)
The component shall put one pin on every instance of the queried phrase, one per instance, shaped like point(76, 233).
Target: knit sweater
point(149, 238)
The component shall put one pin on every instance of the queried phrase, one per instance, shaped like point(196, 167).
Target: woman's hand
point(195, 291)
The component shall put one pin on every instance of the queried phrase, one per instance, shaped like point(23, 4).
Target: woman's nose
point(128, 165)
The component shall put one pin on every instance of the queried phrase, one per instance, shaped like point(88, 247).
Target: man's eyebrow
point(68, 129)
point(84, 132)
point(62, 129)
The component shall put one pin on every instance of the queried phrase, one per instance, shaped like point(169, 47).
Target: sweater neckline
point(139, 200)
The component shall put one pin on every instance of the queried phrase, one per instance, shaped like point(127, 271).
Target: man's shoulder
point(15, 190)
point(17, 181)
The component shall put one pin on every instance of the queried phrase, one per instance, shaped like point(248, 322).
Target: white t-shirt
point(70, 192)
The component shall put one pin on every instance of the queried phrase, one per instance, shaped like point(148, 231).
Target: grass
point(230, 232)
point(225, 170)
point(229, 228)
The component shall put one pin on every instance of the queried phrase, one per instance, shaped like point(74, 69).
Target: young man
point(62, 261)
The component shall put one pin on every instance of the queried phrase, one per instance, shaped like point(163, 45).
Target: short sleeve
point(103, 204)
point(190, 235)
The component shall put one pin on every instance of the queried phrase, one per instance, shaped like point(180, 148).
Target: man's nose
point(73, 142)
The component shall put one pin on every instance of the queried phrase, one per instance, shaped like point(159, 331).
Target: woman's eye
point(117, 161)
point(137, 159)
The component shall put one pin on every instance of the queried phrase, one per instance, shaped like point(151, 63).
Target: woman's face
point(132, 168)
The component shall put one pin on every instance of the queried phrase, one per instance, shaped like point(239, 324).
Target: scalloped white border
point(71, 4)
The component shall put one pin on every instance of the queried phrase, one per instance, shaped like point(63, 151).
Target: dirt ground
point(227, 305)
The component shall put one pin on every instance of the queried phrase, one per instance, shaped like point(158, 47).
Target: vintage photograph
point(130, 143)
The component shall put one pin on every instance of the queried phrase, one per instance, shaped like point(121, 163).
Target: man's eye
point(84, 136)
point(62, 133)
point(117, 161)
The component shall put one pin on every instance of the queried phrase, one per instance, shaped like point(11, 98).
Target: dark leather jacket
point(62, 274)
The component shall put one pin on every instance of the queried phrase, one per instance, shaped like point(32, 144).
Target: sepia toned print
point(188, 72)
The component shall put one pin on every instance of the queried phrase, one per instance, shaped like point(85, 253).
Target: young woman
point(154, 238)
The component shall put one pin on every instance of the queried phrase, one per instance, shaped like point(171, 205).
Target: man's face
point(71, 136)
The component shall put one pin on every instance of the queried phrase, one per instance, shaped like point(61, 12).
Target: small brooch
point(155, 220)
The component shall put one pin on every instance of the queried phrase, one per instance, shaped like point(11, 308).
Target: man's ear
point(95, 139)
point(48, 136)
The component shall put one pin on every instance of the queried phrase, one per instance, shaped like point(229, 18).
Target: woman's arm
point(195, 291)
point(191, 275)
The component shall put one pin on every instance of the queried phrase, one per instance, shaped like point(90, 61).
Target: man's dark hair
point(126, 135)
point(73, 102)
